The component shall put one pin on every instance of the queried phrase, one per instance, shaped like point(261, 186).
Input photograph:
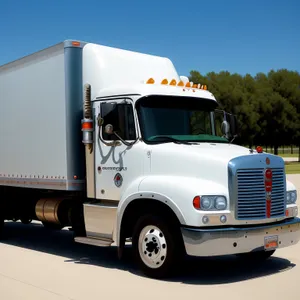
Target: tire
point(257, 256)
point(157, 246)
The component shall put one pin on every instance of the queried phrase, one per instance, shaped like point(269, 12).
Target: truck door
point(117, 167)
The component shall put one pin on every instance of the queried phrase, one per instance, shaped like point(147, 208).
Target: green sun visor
point(188, 138)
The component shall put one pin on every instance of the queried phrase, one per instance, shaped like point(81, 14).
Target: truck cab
point(173, 181)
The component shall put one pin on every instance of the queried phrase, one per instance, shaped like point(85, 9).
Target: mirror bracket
point(110, 130)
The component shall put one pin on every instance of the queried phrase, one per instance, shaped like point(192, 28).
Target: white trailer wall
point(37, 141)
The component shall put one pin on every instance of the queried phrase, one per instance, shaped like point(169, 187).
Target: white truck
point(117, 146)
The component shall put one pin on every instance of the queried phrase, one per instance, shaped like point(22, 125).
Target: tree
point(267, 105)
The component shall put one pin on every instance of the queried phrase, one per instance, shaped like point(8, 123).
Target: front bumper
point(234, 240)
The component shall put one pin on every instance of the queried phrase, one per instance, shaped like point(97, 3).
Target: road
point(35, 265)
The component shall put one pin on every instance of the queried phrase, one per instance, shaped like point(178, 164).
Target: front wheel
point(157, 246)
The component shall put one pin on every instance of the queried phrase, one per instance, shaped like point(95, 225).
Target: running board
point(93, 241)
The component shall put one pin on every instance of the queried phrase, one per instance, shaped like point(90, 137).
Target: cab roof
point(142, 90)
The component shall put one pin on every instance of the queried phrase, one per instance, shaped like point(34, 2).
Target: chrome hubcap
point(152, 246)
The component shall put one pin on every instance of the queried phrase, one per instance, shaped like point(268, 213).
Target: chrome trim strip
point(93, 241)
point(43, 183)
point(287, 222)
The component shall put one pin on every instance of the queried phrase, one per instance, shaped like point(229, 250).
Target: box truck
point(119, 147)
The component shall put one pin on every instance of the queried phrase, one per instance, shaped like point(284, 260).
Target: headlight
point(213, 203)
point(220, 203)
point(207, 202)
point(291, 197)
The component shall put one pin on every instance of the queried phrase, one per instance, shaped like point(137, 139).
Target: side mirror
point(225, 128)
point(109, 129)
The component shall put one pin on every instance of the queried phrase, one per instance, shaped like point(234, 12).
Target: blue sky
point(238, 36)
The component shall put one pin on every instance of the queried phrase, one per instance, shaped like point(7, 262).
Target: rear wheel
point(157, 246)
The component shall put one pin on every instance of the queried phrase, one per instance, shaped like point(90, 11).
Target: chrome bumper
point(234, 240)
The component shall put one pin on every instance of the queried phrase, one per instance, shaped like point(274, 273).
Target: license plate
point(271, 242)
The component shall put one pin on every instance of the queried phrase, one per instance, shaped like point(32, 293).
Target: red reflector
point(196, 202)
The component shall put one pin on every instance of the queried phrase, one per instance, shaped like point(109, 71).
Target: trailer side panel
point(38, 141)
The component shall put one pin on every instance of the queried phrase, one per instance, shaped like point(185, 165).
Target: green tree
point(267, 105)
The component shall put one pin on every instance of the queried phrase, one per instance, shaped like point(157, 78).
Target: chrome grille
point(251, 194)
point(278, 193)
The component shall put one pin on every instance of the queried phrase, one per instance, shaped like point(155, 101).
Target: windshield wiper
point(168, 138)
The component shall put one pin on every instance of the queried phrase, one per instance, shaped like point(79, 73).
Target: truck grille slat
point(278, 203)
point(256, 195)
point(251, 194)
point(278, 199)
point(241, 205)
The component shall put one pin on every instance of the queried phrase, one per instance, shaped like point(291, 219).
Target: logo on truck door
point(118, 179)
point(118, 169)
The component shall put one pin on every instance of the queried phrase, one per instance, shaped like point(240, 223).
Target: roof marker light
point(180, 83)
point(188, 84)
point(259, 149)
point(173, 82)
point(74, 43)
point(165, 81)
point(150, 81)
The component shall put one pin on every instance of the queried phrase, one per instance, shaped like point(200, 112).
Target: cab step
point(93, 241)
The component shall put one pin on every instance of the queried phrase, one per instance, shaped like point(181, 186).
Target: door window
point(121, 116)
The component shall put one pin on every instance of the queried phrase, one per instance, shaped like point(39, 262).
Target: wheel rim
point(152, 247)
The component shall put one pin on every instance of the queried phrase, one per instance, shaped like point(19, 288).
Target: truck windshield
point(178, 119)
